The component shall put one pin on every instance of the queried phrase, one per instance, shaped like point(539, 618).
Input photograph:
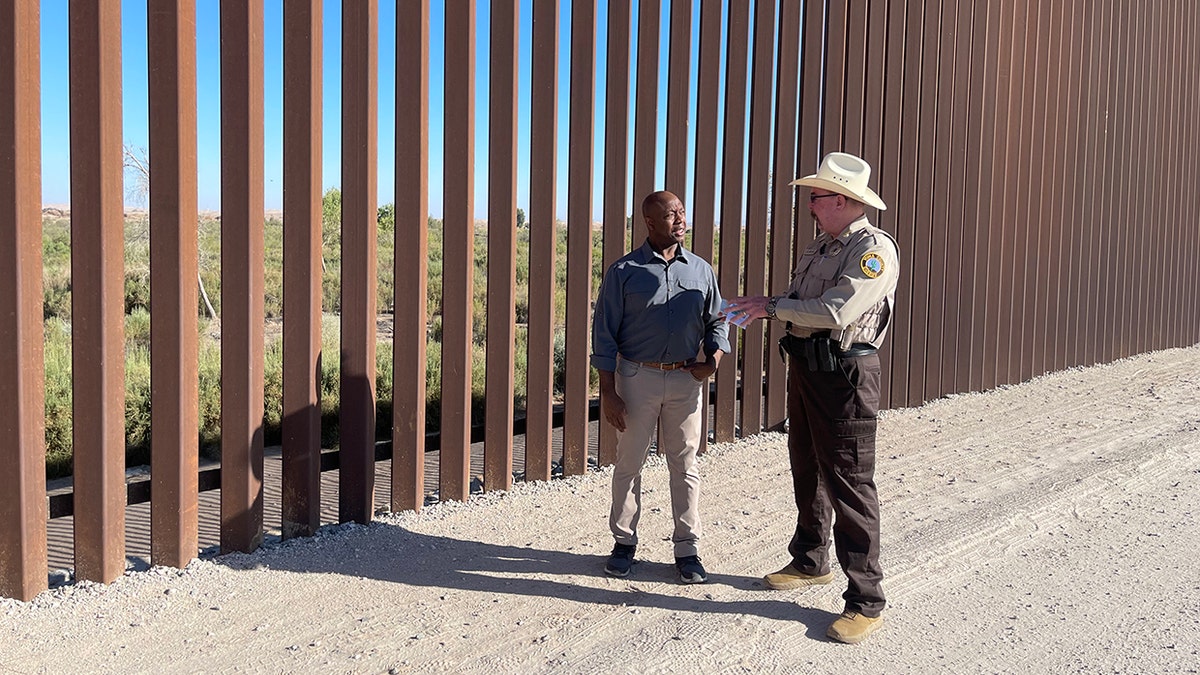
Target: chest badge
point(872, 265)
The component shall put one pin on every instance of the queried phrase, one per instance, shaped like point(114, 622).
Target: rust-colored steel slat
point(1122, 90)
point(874, 25)
point(961, 242)
point(1157, 333)
point(1016, 245)
point(1187, 246)
point(837, 16)
point(757, 195)
point(782, 201)
point(1138, 128)
point(679, 96)
point(1097, 297)
point(459, 247)
point(887, 167)
point(579, 236)
point(97, 283)
point(995, 320)
point(360, 153)
point(854, 114)
point(242, 274)
point(174, 378)
point(1190, 89)
point(1107, 150)
point(302, 45)
point(1154, 332)
point(729, 265)
point(875, 72)
point(903, 205)
point(708, 114)
point(1133, 132)
point(1042, 193)
point(702, 216)
point(616, 173)
point(1161, 333)
point(539, 369)
point(1122, 253)
point(932, 264)
point(925, 229)
point(808, 150)
point(645, 113)
point(1081, 263)
point(1107, 321)
point(23, 510)
point(1037, 233)
point(1162, 259)
point(411, 264)
point(1059, 76)
point(957, 279)
point(981, 124)
point(502, 247)
point(1013, 259)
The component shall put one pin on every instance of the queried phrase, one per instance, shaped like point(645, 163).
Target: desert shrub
point(137, 289)
point(59, 427)
point(137, 405)
point(137, 328)
point(56, 293)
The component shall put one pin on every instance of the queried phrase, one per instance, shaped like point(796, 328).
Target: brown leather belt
point(663, 366)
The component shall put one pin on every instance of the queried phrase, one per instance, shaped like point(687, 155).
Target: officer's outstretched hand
point(741, 310)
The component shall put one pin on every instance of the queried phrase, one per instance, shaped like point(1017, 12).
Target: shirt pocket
point(690, 297)
point(802, 266)
point(826, 268)
point(640, 294)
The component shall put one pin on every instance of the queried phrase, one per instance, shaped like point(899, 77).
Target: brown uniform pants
point(831, 443)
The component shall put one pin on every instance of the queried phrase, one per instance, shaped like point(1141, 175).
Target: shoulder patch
point(871, 264)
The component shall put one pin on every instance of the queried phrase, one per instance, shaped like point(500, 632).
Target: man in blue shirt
point(658, 308)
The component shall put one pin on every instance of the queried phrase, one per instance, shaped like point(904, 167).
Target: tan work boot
point(852, 627)
point(789, 577)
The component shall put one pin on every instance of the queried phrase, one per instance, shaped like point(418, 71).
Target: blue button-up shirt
point(657, 310)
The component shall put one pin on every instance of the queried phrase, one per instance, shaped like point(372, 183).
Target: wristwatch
point(774, 300)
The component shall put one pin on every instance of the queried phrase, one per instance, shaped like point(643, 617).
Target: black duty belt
point(820, 352)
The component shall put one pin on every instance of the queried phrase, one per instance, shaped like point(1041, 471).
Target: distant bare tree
point(137, 164)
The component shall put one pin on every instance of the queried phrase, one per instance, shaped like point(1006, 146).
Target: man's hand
point(703, 369)
point(744, 309)
point(612, 406)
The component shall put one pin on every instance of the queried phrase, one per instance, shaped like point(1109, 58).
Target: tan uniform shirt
point(845, 285)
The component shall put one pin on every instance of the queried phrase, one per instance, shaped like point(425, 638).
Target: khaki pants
point(675, 398)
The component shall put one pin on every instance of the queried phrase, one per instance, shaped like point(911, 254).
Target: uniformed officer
point(837, 309)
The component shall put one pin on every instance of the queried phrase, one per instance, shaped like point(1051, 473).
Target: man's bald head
point(658, 199)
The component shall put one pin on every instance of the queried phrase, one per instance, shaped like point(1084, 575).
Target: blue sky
point(56, 103)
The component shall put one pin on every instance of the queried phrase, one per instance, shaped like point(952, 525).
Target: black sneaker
point(690, 570)
point(620, 561)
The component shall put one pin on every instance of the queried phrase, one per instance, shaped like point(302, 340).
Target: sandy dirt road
point(1047, 527)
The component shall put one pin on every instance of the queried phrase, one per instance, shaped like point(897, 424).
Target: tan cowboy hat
point(846, 175)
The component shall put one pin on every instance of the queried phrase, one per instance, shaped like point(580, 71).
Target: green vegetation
point(57, 315)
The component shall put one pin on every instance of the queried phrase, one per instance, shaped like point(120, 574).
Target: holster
point(815, 354)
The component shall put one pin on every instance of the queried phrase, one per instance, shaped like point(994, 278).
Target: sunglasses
point(813, 198)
